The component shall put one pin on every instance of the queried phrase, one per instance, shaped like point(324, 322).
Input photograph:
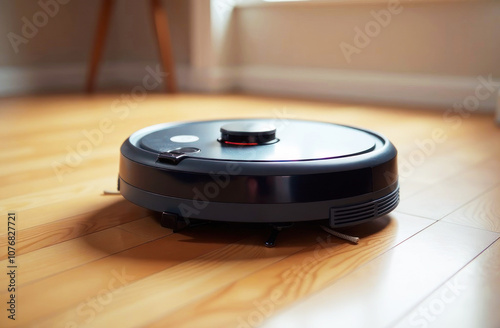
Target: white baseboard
point(366, 87)
point(341, 85)
point(21, 81)
point(71, 78)
point(208, 80)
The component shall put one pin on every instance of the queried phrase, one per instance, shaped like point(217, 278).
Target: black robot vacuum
point(249, 170)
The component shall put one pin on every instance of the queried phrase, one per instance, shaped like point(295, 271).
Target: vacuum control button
point(186, 150)
point(176, 155)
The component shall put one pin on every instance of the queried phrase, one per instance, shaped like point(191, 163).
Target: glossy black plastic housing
point(222, 184)
point(248, 133)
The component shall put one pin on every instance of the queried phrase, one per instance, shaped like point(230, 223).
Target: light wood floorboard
point(88, 260)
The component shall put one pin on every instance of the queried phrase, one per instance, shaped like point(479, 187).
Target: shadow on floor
point(198, 240)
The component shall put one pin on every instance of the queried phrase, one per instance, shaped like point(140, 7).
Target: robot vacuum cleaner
point(249, 170)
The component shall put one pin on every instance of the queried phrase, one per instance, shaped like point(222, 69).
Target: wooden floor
point(88, 260)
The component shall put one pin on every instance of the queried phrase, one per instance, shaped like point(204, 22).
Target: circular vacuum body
point(249, 170)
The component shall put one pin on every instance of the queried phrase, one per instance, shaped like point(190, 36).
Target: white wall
point(430, 54)
point(443, 38)
point(68, 36)
point(60, 49)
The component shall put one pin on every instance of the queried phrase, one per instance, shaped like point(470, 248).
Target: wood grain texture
point(439, 200)
point(58, 230)
point(295, 277)
point(111, 273)
point(482, 212)
point(63, 256)
point(90, 260)
point(475, 288)
point(393, 283)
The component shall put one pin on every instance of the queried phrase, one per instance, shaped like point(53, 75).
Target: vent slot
point(347, 215)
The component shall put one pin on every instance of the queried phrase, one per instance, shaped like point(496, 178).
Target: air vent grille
point(347, 215)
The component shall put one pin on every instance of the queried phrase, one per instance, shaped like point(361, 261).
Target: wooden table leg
point(100, 38)
point(164, 43)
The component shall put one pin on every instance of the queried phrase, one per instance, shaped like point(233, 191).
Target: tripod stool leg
point(100, 38)
point(164, 43)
